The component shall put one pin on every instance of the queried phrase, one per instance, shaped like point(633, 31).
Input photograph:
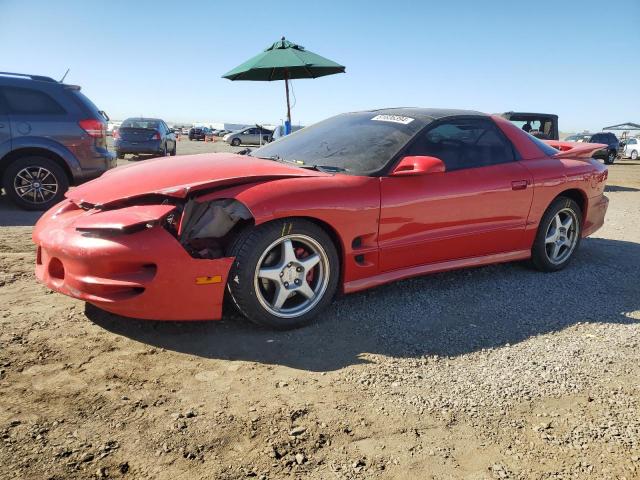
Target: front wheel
point(235, 142)
point(634, 155)
point(558, 235)
point(284, 274)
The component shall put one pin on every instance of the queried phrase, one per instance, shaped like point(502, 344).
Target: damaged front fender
point(208, 228)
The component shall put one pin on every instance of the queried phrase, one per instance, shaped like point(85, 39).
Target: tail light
point(156, 136)
point(94, 128)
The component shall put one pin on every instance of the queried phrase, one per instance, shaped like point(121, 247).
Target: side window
point(597, 138)
point(464, 143)
point(26, 101)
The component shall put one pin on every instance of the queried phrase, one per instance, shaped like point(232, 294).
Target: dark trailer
point(540, 125)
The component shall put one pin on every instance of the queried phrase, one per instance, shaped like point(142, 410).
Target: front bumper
point(144, 146)
point(146, 274)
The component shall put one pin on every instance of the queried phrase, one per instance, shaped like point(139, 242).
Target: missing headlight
point(207, 229)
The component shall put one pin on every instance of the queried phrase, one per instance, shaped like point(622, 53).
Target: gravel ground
point(496, 372)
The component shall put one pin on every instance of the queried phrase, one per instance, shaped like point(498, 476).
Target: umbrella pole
point(286, 86)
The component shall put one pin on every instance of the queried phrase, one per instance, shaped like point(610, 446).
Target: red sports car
point(352, 202)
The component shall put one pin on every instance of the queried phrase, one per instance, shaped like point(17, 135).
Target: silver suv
point(51, 136)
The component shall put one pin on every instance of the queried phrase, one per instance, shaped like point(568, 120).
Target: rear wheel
point(174, 150)
point(35, 183)
point(558, 235)
point(611, 157)
point(284, 274)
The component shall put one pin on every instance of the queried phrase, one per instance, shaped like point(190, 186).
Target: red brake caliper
point(302, 253)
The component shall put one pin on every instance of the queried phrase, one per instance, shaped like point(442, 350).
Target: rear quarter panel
point(552, 177)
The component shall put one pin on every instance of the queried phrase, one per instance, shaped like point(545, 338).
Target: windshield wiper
point(301, 164)
point(324, 168)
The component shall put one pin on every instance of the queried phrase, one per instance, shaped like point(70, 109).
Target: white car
point(632, 148)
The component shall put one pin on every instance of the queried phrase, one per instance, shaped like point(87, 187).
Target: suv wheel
point(35, 183)
point(611, 157)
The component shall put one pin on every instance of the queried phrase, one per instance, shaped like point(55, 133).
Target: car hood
point(178, 176)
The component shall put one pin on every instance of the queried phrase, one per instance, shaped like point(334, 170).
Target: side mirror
point(418, 165)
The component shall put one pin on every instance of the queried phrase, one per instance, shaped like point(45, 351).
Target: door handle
point(519, 184)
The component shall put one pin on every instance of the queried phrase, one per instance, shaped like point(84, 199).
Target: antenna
point(65, 75)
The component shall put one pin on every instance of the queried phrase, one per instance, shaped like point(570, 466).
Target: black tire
point(540, 257)
point(164, 152)
point(120, 155)
point(610, 158)
point(56, 176)
point(174, 150)
point(235, 142)
point(250, 247)
point(634, 155)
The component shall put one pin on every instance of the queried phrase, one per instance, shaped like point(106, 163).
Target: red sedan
point(352, 202)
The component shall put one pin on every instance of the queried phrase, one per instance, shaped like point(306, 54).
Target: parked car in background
point(249, 136)
point(540, 125)
point(222, 133)
point(198, 133)
point(608, 154)
point(144, 136)
point(631, 148)
point(574, 138)
point(51, 136)
point(281, 229)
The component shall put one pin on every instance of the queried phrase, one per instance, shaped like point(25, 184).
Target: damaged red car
point(352, 202)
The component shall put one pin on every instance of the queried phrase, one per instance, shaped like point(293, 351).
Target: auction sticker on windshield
point(393, 118)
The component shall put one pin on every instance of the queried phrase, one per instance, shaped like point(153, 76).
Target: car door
point(5, 129)
point(250, 136)
point(599, 138)
point(171, 138)
point(34, 112)
point(478, 206)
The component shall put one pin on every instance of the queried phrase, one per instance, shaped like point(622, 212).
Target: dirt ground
point(497, 372)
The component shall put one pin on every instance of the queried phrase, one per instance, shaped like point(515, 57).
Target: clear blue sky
point(573, 58)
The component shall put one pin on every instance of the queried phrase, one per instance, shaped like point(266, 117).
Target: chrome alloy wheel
point(35, 184)
point(562, 236)
point(291, 276)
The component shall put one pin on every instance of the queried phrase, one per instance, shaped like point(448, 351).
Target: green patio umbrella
point(284, 60)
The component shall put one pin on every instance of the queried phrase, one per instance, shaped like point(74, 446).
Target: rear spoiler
point(574, 149)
